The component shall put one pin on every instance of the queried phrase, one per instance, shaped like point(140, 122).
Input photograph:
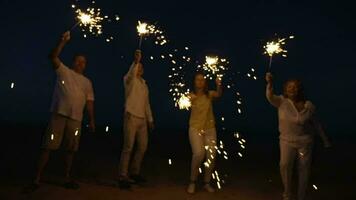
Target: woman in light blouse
point(297, 126)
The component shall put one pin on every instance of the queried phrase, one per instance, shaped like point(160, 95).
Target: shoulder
point(62, 68)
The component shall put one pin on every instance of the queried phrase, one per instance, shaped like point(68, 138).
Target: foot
point(209, 188)
point(191, 188)
point(124, 184)
point(71, 185)
point(31, 188)
point(286, 197)
point(138, 179)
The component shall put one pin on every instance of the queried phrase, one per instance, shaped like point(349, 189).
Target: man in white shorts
point(72, 93)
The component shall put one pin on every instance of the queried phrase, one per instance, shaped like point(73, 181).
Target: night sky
point(321, 55)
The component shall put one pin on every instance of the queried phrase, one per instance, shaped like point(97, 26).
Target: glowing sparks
point(107, 129)
point(52, 136)
point(12, 85)
point(142, 28)
point(76, 132)
point(275, 47)
point(169, 161)
point(184, 102)
point(315, 187)
point(91, 20)
point(214, 66)
point(145, 29)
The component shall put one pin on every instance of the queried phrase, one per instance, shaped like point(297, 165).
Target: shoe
point(209, 188)
point(71, 185)
point(191, 188)
point(124, 184)
point(30, 188)
point(138, 179)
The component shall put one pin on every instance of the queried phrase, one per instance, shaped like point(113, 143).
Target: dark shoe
point(138, 179)
point(124, 184)
point(71, 185)
point(30, 188)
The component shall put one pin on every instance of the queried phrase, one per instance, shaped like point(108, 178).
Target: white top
point(136, 95)
point(71, 92)
point(295, 126)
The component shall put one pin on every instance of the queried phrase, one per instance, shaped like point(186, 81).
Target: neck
point(199, 91)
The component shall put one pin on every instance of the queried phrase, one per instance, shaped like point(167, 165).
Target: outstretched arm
point(54, 55)
point(271, 97)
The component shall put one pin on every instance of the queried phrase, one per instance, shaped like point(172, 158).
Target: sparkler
point(184, 102)
point(214, 66)
point(275, 47)
point(144, 29)
point(90, 19)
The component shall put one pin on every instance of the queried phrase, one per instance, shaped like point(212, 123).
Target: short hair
point(79, 55)
point(300, 92)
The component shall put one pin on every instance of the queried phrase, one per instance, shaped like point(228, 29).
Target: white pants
point(203, 146)
point(135, 129)
point(291, 151)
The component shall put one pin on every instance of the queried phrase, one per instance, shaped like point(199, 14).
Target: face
point(79, 64)
point(140, 70)
point(292, 89)
point(199, 82)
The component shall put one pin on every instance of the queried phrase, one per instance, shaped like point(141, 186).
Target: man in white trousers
point(137, 119)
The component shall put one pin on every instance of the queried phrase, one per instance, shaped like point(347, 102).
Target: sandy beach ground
point(255, 176)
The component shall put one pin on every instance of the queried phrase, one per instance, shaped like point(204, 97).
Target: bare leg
point(42, 162)
point(68, 160)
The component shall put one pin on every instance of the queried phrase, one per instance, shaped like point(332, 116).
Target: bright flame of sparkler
point(91, 19)
point(142, 28)
point(274, 47)
point(184, 102)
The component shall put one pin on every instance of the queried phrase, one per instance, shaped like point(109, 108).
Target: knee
point(127, 148)
point(199, 155)
point(284, 165)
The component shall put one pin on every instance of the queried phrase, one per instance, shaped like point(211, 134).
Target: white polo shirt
point(71, 92)
point(136, 95)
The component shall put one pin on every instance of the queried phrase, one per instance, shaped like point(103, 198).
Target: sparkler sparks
point(12, 85)
point(145, 29)
point(107, 129)
point(184, 102)
point(90, 19)
point(214, 66)
point(275, 47)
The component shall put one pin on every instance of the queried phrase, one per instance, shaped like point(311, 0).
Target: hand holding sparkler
point(269, 78)
point(66, 36)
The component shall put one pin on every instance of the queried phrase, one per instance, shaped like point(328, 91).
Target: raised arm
point(134, 67)
point(271, 97)
point(54, 55)
point(218, 92)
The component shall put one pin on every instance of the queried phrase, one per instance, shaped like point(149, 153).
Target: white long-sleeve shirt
point(136, 95)
point(294, 125)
